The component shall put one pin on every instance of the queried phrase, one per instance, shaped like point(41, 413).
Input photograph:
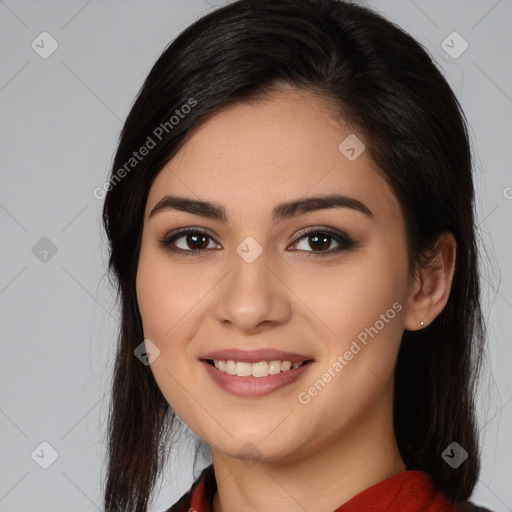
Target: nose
point(253, 296)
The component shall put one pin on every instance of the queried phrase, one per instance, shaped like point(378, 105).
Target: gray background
point(60, 118)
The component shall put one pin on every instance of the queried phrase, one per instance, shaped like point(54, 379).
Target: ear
point(430, 289)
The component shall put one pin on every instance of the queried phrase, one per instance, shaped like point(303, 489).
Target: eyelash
point(345, 241)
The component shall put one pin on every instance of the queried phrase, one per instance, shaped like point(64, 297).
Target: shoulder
point(183, 504)
point(468, 506)
point(201, 491)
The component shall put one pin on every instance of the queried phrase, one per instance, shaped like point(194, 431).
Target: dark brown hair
point(385, 85)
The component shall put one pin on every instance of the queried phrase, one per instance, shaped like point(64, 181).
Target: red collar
point(409, 491)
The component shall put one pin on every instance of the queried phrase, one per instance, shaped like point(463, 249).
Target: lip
point(255, 387)
point(255, 356)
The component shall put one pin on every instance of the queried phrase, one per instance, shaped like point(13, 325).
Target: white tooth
point(243, 369)
point(259, 369)
point(221, 365)
point(274, 367)
point(231, 367)
point(286, 365)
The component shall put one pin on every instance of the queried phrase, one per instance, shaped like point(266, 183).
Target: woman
point(291, 225)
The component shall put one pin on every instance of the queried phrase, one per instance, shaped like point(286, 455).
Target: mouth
point(258, 369)
point(254, 380)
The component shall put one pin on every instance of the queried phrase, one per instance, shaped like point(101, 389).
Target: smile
point(259, 369)
point(254, 379)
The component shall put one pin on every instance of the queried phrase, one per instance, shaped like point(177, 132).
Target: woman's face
point(255, 281)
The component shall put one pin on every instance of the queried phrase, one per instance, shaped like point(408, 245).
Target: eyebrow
point(281, 212)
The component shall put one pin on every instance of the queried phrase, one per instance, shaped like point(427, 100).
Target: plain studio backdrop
point(68, 75)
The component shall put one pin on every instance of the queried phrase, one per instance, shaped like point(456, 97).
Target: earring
point(422, 323)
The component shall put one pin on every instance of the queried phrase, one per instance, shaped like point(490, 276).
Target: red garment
point(409, 491)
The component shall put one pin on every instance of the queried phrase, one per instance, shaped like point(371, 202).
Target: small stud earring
point(422, 323)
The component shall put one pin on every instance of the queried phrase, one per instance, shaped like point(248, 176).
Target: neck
point(321, 478)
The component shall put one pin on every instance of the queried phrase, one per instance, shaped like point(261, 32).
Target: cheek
point(364, 310)
point(344, 300)
point(152, 298)
point(164, 299)
point(165, 294)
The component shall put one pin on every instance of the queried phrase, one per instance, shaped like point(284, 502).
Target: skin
point(249, 158)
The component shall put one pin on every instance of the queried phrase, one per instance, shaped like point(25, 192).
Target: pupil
point(194, 239)
point(323, 245)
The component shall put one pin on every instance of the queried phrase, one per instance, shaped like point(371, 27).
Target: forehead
point(251, 156)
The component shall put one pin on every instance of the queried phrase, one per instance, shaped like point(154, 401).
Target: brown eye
point(195, 241)
point(320, 240)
